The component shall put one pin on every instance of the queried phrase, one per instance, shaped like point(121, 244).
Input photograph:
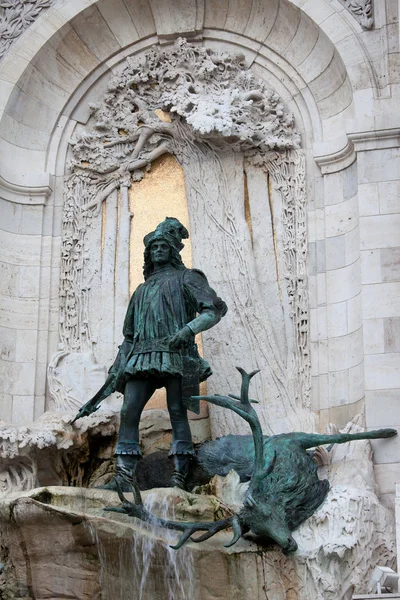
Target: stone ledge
point(377, 596)
point(375, 140)
point(335, 155)
point(23, 189)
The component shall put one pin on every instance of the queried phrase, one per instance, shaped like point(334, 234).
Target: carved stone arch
point(63, 33)
point(15, 20)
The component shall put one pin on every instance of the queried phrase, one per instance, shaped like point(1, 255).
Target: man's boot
point(124, 473)
point(181, 470)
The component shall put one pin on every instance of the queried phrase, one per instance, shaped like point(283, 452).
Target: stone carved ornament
point(50, 449)
point(15, 17)
point(361, 11)
point(218, 119)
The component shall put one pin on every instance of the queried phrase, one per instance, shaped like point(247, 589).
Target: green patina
point(284, 488)
point(163, 317)
point(165, 313)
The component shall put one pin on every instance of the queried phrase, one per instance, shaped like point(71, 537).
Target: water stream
point(140, 565)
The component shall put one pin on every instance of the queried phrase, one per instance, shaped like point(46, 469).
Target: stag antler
point(244, 409)
point(210, 527)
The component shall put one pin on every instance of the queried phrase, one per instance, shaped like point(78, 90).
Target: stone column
point(122, 265)
point(26, 251)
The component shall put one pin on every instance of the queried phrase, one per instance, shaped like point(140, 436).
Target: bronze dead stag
point(284, 489)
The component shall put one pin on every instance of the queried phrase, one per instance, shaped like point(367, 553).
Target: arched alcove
point(74, 50)
point(114, 211)
point(289, 52)
point(277, 36)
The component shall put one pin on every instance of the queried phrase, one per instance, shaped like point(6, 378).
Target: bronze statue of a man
point(164, 315)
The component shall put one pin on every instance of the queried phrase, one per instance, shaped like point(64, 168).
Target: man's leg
point(136, 395)
point(182, 446)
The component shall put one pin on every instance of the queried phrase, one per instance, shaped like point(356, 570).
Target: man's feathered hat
point(170, 230)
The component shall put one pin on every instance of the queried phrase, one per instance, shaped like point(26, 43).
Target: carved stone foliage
point(361, 10)
point(216, 117)
point(15, 17)
point(215, 94)
point(75, 268)
point(51, 450)
point(288, 173)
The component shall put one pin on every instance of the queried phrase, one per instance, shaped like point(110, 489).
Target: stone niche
point(223, 145)
point(199, 129)
point(275, 131)
point(202, 128)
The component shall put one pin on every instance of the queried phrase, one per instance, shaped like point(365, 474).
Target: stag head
point(267, 520)
point(279, 497)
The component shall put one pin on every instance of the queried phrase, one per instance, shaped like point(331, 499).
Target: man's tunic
point(167, 301)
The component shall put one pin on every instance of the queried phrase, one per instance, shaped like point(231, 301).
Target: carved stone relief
point(15, 17)
point(219, 120)
point(50, 450)
point(361, 10)
point(73, 373)
point(73, 378)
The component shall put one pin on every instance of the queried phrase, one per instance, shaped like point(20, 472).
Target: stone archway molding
point(187, 17)
point(60, 22)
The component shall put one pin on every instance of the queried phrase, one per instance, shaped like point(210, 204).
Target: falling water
point(145, 567)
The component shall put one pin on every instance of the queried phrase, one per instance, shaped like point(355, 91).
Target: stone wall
point(336, 327)
point(26, 268)
point(339, 74)
point(380, 285)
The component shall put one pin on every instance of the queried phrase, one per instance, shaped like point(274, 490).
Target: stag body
point(291, 491)
point(284, 488)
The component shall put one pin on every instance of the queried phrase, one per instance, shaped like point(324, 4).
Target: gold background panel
point(160, 194)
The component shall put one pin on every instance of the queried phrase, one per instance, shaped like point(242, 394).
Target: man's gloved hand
point(181, 339)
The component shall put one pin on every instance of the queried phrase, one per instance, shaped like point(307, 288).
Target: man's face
point(160, 253)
